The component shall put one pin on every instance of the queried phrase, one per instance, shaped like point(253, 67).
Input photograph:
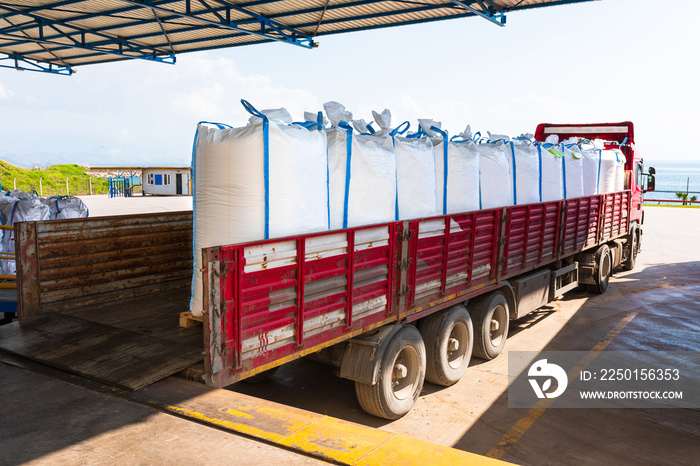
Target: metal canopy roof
point(57, 35)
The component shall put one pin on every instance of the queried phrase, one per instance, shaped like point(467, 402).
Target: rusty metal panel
point(28, 292)
point(116, 356)
point(80, 262)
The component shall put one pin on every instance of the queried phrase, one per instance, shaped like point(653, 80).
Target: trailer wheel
point(603, 266)
point(634, 250)
point(490, 316)
point(400, 378)
point(449, 340)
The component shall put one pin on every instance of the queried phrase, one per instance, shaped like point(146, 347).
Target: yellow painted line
point(407, 451)
point(518, 430)
point(234, 426)
point(337, 440)
point(331, 439)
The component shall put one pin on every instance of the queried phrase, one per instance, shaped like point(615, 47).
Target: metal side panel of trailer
point(269, 302)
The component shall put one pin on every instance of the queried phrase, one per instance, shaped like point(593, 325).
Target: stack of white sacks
point(275, 177)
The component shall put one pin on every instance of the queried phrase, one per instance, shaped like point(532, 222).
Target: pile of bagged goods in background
point(275, 177)
point(19, 206)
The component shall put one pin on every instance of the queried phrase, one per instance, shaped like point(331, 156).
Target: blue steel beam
point(415, 9)
point(488, 11)
point(43, 24)
point(22, 63)
point(269, 29)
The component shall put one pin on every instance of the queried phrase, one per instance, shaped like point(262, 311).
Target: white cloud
point(211, 89)
point(5, 93)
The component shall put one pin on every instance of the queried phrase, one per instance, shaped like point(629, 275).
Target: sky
point(603, 61)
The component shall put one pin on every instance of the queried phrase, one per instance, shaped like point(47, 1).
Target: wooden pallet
point(189, 320)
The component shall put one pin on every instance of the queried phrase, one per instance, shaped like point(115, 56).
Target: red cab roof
point(606, 131)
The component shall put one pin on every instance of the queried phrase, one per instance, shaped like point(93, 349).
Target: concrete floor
point(102, 205)
point(52, 422)
point(49, 421)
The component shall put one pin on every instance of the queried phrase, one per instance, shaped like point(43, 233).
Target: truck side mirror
point(651, 180)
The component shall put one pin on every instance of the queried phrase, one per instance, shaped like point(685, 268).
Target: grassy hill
point(53, 180)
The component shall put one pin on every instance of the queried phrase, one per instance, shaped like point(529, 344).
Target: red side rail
point(269, 302)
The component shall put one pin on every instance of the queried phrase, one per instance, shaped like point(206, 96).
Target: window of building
point(166, 179)
point(150, 178)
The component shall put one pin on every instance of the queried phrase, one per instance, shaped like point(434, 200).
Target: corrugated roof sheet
point(68, 33)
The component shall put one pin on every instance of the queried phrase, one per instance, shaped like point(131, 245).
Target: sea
point(674, 176)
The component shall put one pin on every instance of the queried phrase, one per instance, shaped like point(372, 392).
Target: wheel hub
point(499, 325)
point(400, 371)
point(405, 373)
point(452, 344)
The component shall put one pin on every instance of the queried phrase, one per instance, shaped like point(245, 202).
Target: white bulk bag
point(573, 169)
point(7, 204)
point(526, 165)
point(620, 175)
point(366, 193)
point(415, 177)
point(416, 193)
point(63, 207)
point(456, 169)
point(608, 171)
point(552, 169)
point(24, 210)
point(265, 180)
point(591, 162)
point(495, 174)
point(19, 194)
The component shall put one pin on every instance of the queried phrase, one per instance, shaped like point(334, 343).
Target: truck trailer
point(391, 305)
point(394, 304)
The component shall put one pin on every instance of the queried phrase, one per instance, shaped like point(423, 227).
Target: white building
point(166, 181)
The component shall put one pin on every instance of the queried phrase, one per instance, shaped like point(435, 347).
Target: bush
point(51, 180)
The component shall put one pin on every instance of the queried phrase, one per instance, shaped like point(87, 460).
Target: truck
point(391, 305)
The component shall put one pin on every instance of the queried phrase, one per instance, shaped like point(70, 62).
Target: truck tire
point(603, 270)
point(449, 340)
point(400, 377)
point(633, 251)
point(490, 316)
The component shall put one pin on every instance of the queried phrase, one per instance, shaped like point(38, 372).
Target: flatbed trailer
point(269, 302)
point(396, 303)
